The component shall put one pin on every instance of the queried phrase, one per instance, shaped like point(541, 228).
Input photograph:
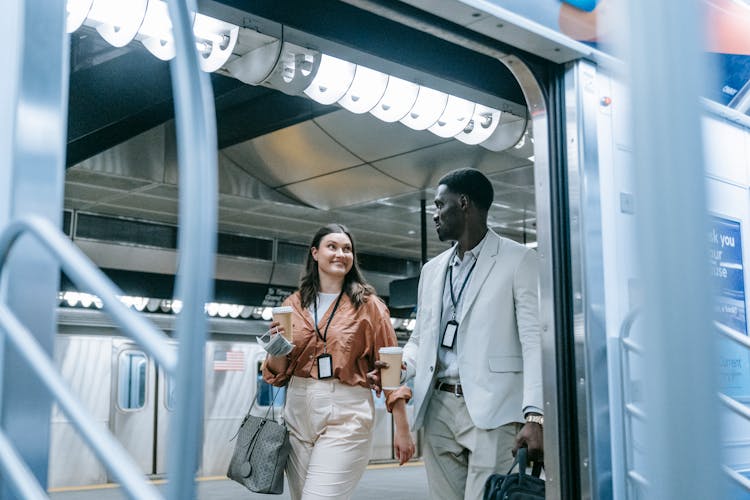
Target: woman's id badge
point(325, 366)
point(449, 335)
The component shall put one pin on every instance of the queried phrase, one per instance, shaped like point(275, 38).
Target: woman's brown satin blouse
point(353, 340)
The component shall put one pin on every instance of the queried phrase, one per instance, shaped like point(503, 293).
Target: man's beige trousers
point(458, 456)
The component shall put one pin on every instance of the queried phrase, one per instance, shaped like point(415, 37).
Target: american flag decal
point(229, 361)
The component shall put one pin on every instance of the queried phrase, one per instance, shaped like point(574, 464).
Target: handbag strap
point(271, 407)
point(271, 410)
point(522, 460)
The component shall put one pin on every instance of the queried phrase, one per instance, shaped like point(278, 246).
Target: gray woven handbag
point(260, 453)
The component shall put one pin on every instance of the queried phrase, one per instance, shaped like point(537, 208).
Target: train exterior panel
point(128, 393)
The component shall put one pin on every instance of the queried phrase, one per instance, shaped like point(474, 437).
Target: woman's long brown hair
point(355, 285)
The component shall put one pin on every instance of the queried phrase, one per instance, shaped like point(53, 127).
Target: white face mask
point(277, 345)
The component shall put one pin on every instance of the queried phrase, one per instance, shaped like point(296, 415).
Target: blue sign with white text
point(727, 272)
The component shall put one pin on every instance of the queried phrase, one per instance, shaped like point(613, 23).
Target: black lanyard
point(324, 336)
point(454, 299)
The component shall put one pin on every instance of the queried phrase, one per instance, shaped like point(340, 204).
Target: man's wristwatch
point(539, 419)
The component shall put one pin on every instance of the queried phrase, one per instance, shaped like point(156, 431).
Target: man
point(475, 353)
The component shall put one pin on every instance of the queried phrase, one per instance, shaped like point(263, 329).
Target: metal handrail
point(632, 346)
point(85, 274)
point(735, 406)
point(738, 478)
point(635, 411)
point(733, 334)
point(638, 478)
point(106, 447)
point(198, 187)
point(630, 408)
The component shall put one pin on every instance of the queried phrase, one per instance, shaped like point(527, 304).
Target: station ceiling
point(288, 164)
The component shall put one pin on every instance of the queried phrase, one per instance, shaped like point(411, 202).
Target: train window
point(268, 394)
point(131, 381)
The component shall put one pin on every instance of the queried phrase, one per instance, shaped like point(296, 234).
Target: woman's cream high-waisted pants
point(330, 430)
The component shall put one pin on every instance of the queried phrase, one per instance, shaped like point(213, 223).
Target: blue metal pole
point(679, 379)
point(197, 156)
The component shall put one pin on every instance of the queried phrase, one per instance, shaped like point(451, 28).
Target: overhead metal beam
point(360, 36)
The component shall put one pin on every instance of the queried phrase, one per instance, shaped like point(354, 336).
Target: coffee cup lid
point(281, 310)
point(391, 350)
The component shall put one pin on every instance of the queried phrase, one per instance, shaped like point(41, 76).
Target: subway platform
point(380, 481)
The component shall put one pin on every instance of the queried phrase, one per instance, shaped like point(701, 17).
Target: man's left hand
point(531, 436)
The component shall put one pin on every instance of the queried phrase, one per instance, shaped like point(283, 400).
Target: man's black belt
point(453, 389)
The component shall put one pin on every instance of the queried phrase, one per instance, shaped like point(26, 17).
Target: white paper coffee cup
point(283, 315)
point(390, 378)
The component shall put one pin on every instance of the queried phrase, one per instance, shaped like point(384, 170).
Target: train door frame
point(543, 86)
point(134, 425)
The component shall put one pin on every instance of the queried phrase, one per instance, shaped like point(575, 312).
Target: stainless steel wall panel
point(239, 269)
point(134, 212)
point(141, 157)
point(346, 187)
point(228, 398)
point(129, 257)
point(288, 274)
point(371, 139)
point(78, 175)
point(150, 204)
point(84, 196)
point(229, 393)
point(291, 155)
point(72, 463)
point(154, 260)
point(582, 103)
point(238, 179)
point(85, 364)
point(424, 167)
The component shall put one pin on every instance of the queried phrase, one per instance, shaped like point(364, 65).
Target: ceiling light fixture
point(120, 22)
point(427, 109)
point(398, 99)
point(77, 12)
point(483, 123)
point(333, 79)
point(116, 21)
point(366, 90)
point(455, 117)
point(294, 70)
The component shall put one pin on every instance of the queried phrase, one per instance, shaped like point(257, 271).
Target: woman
point(338, 326)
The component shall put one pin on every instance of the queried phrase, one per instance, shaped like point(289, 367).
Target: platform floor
point(379, 482)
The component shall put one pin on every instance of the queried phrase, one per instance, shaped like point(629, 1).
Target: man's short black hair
point(471, 183)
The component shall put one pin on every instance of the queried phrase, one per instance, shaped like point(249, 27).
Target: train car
point(611, 166)
point(125, 390)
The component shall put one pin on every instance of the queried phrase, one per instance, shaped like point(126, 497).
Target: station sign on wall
point(727, 272)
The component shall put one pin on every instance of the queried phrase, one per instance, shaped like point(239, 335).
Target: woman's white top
point(324, 302)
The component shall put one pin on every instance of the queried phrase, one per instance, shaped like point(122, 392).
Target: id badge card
point(449, 335)
point(325, 366)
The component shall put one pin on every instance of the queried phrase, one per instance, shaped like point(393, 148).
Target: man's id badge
point(325, 366)
point(449, 335)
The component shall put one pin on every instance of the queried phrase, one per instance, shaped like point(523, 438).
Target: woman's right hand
point(276, 328)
